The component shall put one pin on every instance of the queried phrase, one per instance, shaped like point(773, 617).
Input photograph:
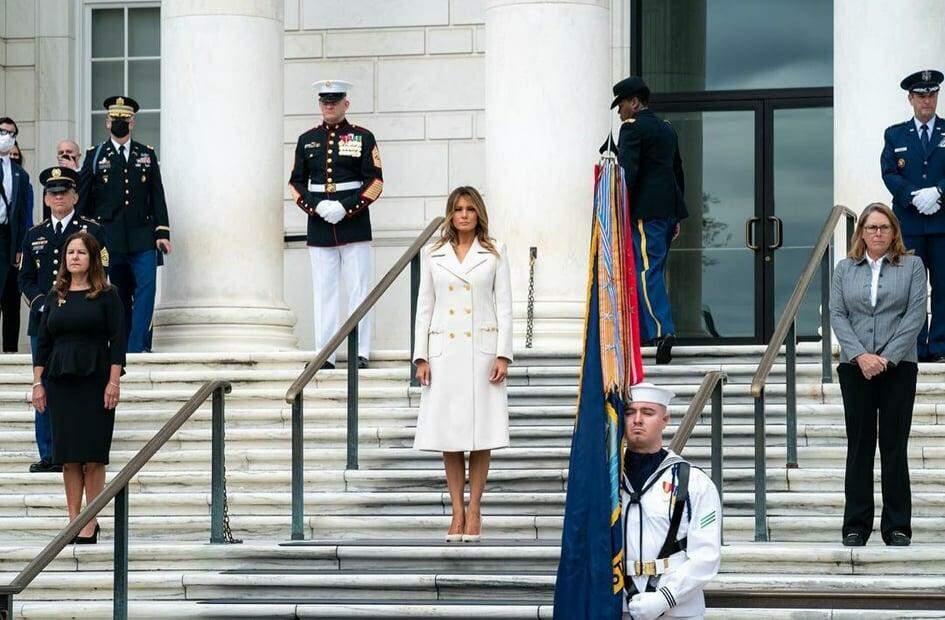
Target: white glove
point(933, 209)
point(647, 606)
point(336, 212)
point(331, 211)
point(925, 199)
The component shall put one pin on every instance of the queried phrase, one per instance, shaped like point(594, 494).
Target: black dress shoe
point(898, 539)
point(327, 366)
point(854, 539)
point(664, 350)
point(89, 540)
point(362, 362)
point(44, 467)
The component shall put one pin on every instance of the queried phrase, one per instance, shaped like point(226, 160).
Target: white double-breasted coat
point(464, 322)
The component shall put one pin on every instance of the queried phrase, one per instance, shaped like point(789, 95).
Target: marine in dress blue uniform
point(41, 256)
point(913, 165)
point(120, 186)
point(648, 152)
point(335, 178)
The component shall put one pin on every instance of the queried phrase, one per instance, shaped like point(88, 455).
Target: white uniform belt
point(658, 567)
point(334, 187)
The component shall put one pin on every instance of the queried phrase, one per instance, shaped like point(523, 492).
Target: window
point(713, 45)
point(125, 59)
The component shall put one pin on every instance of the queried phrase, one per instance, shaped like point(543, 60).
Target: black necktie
point(58, 228)
point(121, 151)
point(925, 137)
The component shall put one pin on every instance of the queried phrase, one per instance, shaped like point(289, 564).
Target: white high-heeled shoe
point(454, 538)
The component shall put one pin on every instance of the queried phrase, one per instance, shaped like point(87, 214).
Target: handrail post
point(414, 294)
point(217, 466)
point(826, 339)
point(6, 607)
point(298, 480)
point(761, 517)
point(790, 378)
point(120, 588)
point(353, 399)
point(717, 471)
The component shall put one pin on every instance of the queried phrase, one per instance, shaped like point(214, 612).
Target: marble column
point(221, 141)
point(548, 66)
point(867, 71)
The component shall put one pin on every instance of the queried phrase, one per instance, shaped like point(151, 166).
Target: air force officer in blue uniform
point(913, 163)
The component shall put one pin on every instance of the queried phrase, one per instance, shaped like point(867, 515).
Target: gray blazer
point(891, 328)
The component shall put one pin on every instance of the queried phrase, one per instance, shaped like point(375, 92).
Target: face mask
point(6, 143)
point(120, 128)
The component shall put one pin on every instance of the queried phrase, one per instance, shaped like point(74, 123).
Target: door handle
point(778, 232)
point(749, 233)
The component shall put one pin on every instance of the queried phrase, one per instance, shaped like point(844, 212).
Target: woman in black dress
point(80, 356)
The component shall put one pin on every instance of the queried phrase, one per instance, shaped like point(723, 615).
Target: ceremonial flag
point(591, 570)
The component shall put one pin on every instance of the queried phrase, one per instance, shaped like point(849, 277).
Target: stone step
point(381, 586)
point(431, 556)
point(346, 610)
point(267, 459)
point(786, 528)
point(495, 503)
point(779, 479)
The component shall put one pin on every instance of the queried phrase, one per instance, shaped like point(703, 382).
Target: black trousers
point(891, 395)
point(10, 313)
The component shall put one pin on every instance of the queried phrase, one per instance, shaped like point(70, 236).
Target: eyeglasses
point(873, 229)
point(7, 132)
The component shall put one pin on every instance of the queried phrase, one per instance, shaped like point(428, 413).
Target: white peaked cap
point(649, 393)
point(328, 87)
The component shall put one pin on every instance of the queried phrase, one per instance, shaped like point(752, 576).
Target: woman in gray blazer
point(877, 307)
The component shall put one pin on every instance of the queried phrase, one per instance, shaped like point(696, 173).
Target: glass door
point(714, 269)
point(800, 159)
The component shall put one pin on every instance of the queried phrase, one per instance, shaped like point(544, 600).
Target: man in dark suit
point(913, 165)
point(120, 186)
point(42, 255)
point(648, 152)
point(15, 215)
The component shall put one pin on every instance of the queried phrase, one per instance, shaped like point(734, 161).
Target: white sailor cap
point(649, 393)
point(332, 90)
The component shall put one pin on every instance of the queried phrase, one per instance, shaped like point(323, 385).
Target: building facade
point(509, 96)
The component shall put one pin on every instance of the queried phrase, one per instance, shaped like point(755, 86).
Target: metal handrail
point(349, 330)
point(117, 488)
point(800, 291)
point(711, 387)
point(785, 333)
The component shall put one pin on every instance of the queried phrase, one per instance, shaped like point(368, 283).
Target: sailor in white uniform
point(671, 517)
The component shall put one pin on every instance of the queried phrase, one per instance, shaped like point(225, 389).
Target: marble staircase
point(373, 536)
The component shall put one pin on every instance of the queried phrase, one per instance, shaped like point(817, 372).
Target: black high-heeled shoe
point(89, 540)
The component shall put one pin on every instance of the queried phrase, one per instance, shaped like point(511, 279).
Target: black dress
point(79, 341)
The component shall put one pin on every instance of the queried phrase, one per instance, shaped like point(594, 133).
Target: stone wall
point(417, 66)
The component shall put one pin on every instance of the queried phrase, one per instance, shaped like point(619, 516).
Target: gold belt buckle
point(331, 188)
point(644, 568)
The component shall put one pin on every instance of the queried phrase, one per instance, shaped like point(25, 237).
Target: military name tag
point(901, 149)
point(104, 164)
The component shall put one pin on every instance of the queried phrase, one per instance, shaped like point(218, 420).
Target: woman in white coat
point(462, 353)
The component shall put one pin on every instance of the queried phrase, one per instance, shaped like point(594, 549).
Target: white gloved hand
point(322, 207)
point(335, 212)
point(926, 198)
point(933, 209)
point(647, 606)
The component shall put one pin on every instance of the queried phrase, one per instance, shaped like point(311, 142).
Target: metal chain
point(227, 532)
point(530, 317)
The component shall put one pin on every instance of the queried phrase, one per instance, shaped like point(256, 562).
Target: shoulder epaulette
point(89, 219)
point(630, 120)
point(43, 223)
